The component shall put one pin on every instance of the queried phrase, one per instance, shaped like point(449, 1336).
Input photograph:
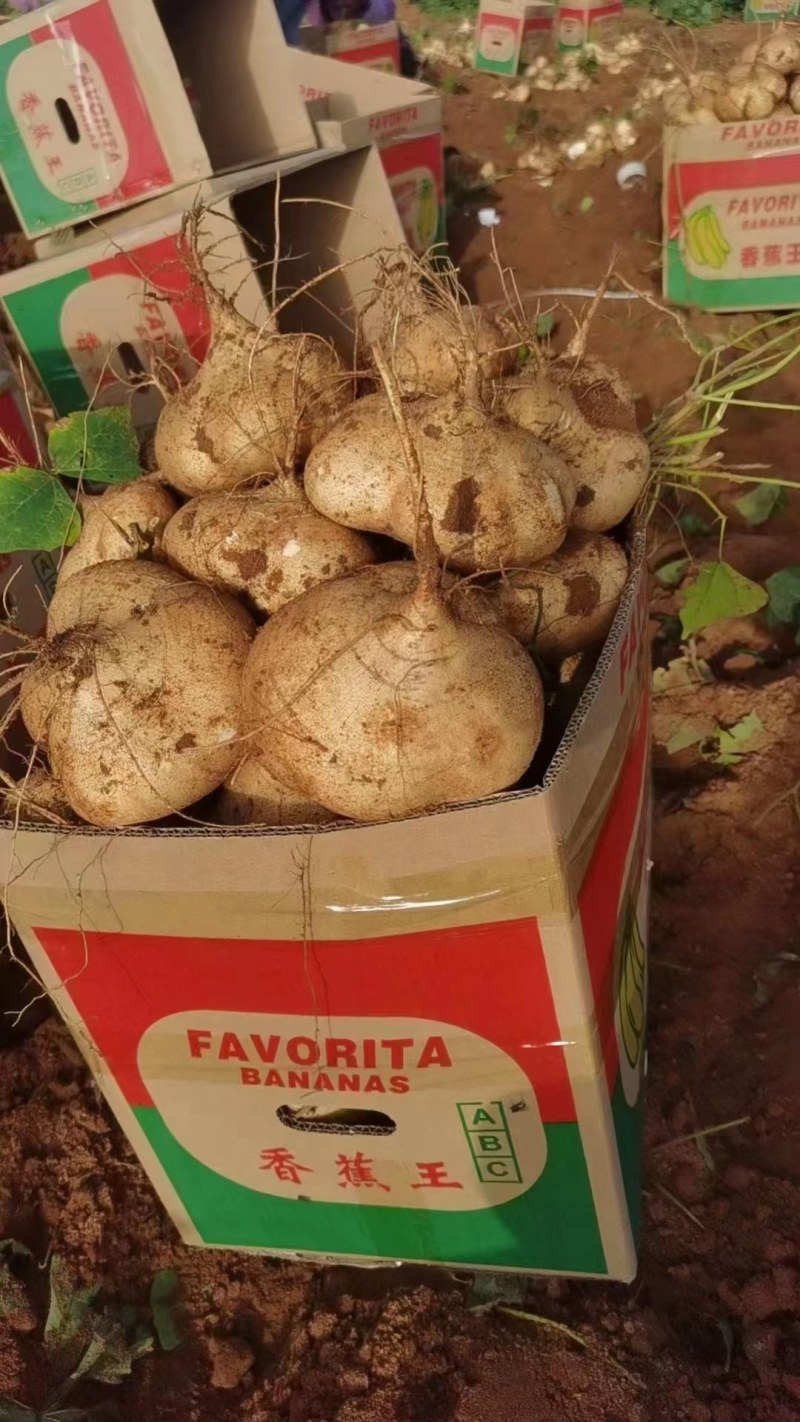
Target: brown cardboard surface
point(352, 106)
point(336, 208)
point(233, 56)
point(374, 47)
point(363, 106)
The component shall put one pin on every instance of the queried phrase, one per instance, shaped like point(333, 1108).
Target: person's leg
point(409, 63)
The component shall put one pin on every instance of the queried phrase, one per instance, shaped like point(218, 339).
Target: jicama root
point(567, 603)
point(497, 497)
point(126, 521)
point(251, 796)
point(109, 593)
point(269, 544)
point(749, 91)
point(369, 696)
point(430, 336)
point(141, 718)
point(38, 799)
point(584, 411)
point(779, 51)
point(254, 409)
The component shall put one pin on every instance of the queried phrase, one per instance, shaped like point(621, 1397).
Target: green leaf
point(783, 589)
point(544, 324)
point(14, 1302)
point(14, 1249)
point(761, 502)
point(586, 204)
point(733, 743)
point(97, 445)
point(110, 1355)
point(681, 672)
point(69, 1307)
point(691, 524)
point(488, 1290)
point(36, 514)
point(718, 593)
point(11, 1411)
point(670, 574)
point(68, 1414)
point(164, 1306)
point(685, 736)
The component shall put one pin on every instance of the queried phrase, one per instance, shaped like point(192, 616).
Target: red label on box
point(107, 106)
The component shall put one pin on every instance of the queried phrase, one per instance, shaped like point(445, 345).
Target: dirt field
point(710, 1331)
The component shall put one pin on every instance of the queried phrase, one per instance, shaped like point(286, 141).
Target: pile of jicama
point(764, 83)
point(340, 595)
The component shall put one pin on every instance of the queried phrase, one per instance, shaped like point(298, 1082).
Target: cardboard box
point(731, 211)
point(474, 979)
point(27, 580)
point(766, 11)
point(95, 110)
point(372, 46)
point(580, 22)
point(510, 32)
point(538, 34)
point(92, 320)
point(401, 117)
point(18, 444)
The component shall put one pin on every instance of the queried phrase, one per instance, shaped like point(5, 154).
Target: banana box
point(420, 1040)
point(581, 22)
point(401, 117)
point(27, 580)
point(95, 111)
point(768, 11)
point(104, 308)
point(511, 32)
point(731, 215)
point(373, 46)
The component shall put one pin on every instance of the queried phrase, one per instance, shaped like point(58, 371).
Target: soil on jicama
point(709, 1331)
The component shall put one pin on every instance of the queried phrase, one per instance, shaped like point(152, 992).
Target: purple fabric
point(366, 12)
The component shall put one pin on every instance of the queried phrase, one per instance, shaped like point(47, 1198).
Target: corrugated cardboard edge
point(145, 222)
point(523, 852)
point(371, 94)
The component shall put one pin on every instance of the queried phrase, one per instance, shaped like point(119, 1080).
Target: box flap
point(364, 105)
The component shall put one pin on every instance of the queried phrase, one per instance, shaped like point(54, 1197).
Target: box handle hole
point(343, 1122)
point(69, 122)
point(130, 360)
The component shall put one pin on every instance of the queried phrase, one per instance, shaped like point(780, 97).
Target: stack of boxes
point(402, 118)
point(510, 34)
point(373, 46)
point(117, 118)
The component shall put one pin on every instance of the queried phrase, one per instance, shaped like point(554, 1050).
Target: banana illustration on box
point(704, 239)
point(631, 990)
point(427, 214)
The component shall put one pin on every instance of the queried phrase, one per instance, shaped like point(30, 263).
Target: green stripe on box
point(39, 209)
point(553, 1226)
point(36, 313)
point(756, 293)
point(629, 1129)
point(507, 67)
